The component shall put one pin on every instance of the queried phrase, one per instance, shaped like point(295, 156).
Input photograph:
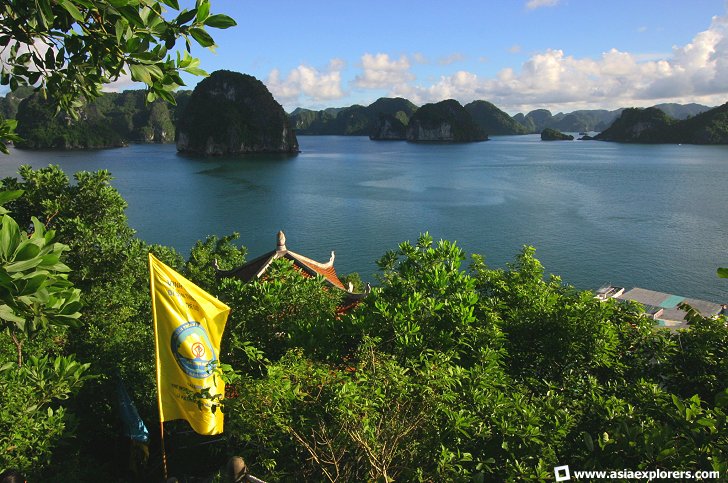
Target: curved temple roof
point(257, 267)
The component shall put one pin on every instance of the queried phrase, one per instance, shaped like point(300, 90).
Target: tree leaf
point(220, 21)
point(10, 195)
point(140, 73)
point(185, 16)
point(6, 313)
point(71, 9)
point(9, 237)
point(723, 272)
point(171, 3)
point(203, 11)
point(202, 37)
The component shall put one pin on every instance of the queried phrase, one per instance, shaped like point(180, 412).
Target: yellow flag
point(188, 326)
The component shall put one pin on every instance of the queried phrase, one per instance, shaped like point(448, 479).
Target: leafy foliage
point(32, 422)
point(36, 301)
point(70, 48)
point(445, 372)
point(495, 374)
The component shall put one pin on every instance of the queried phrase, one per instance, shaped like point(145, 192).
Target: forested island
point(376, 120)
point(550, 134)
point(233, 113)
point(111, 120)
point(117, 119)
point(445, 121)
point(653, 125)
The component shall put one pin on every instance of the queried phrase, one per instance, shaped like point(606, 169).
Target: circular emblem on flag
point(193, 350)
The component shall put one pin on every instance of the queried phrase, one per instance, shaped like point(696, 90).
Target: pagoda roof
point(257, 267)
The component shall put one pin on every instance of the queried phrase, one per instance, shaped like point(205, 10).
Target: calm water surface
point(633, 215)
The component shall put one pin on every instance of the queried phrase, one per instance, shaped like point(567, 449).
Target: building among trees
point(257, 268)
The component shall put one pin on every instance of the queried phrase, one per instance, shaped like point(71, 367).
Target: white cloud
point(307, 82)
point(695, 72)
point(38, 47)
point(381, 72)
point(514, 49)
point(534, 4)
point(122, 83)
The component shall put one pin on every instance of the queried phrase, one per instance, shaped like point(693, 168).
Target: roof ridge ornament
point(281, 246)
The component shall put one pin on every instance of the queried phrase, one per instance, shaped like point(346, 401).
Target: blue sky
point(519, 54)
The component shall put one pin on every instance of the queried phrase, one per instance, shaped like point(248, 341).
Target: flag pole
point(156, 351)
point(164, 453)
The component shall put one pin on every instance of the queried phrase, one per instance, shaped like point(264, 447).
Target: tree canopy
point(450, 370)
point(69, 49)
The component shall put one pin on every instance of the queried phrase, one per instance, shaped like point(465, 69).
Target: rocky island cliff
point(233, 113)
point(114, 119)
point(444, 122)
point(492, 120)
point(388, 128)
point(549, 134)
point(652, 125)
point(354, 120)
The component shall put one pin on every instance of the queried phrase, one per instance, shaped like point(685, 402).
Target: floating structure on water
point(662, 307)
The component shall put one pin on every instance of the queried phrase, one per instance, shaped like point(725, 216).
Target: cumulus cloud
point(307, 82)
point(534, 4)
point(695, 72)
point(381, 72)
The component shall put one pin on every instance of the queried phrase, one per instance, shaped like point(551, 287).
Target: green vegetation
point(652, 125)
point(9, 104)
point(448, 371)
point(351, 121)
point(232, 113)
point(38, 305)
point(648, 125)
point(492, 120)
point(549, 134)
point(110, 120)
point(535, 121)
point(69, 49)
point(388, 128)
point(445, 121)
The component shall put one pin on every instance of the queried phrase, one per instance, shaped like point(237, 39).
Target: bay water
point(654, 216)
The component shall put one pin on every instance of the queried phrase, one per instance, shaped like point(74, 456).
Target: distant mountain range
point(360, 120)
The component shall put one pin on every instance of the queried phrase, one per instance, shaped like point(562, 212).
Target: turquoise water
point(631, 215)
